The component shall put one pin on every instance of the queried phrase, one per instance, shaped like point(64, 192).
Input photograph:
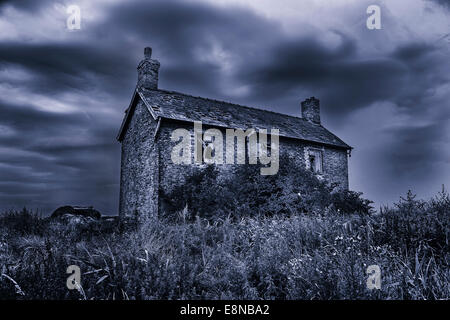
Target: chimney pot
point(148, 52)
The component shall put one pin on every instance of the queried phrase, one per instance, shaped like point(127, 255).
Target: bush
point(197, 194)
point(244, 192)
point(415, 222)
point(346, 201)
point(22, 222)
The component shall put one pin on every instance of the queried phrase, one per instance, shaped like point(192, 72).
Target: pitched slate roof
point(183, 107)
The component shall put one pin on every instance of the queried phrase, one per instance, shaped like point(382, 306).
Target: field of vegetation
point(291, 257)
point(318, 252)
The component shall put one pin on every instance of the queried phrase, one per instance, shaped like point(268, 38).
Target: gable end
point(129, 113)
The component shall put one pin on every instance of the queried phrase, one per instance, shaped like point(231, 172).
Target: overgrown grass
point(279, 257)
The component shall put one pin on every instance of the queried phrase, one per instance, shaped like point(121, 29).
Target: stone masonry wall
point(335, 168)
point(139, 167)
point(334, 160)
point(147, 165)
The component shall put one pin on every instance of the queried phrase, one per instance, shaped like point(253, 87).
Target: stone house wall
point(139, 166)
point(147, 165)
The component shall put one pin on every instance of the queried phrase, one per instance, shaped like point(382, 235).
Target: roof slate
point(183, 107)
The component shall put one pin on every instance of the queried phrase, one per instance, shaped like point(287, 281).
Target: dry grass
point(298, 257)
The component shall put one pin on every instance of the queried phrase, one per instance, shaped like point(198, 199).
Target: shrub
point(244, 192)
point(345, 201)
point(197, 194)
point(415, 222)
point(22, 222)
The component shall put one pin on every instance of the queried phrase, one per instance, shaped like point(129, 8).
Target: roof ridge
point(230, 103)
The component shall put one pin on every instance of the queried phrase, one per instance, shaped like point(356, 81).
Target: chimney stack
point(148, 70)
point(311, 110)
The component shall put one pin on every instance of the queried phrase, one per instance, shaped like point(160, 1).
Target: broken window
point(314, 160)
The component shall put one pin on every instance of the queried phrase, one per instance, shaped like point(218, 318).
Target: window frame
point(316, 153)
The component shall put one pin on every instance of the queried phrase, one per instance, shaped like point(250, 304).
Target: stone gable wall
point(139, 166)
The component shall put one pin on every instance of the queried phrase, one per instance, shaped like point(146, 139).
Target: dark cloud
point(187, 38)
point(50, 153)
point(56, 68)
point(343, 79)
point(336, 75)
point(27, 5)
point(413, 51)
point(443, 3)
point(415, 150)
point(294, 63)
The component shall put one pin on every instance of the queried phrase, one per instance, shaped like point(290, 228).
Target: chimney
point(148, 71)
point(311, 110)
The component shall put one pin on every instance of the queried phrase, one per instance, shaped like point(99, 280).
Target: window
point(314, 160)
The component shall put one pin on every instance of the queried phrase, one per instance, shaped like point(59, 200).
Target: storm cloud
point(63, 93)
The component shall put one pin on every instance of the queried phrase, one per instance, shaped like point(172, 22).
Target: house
point(148, 144)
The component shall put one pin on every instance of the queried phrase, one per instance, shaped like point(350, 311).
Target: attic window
point(314, 160)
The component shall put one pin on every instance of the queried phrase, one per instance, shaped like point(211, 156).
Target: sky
point(63, 92)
